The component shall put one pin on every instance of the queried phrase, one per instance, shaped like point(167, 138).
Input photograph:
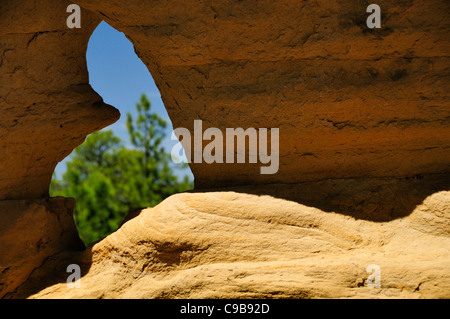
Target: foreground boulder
point(235, 245)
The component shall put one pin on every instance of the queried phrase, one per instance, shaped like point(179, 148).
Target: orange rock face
point(31, 232)
point(364, 131)
point(47, 106)
point(350, 102)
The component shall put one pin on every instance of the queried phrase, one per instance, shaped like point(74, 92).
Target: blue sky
point(120, 77)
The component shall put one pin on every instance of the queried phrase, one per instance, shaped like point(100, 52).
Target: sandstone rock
point(364, 138)
point(31, 231)
point(235, 245)
point(349, 102)
point(47, 106)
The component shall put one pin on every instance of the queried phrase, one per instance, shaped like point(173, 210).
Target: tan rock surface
point(235, 245)
point(47, 106)
point(364, 139)
point(349, 102)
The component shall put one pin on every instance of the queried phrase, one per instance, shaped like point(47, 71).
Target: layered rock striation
point(364, 149)
point(47, 105)
point(233, 245)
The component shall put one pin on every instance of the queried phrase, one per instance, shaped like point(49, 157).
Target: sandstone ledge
point(31, 231)
point(236, 245)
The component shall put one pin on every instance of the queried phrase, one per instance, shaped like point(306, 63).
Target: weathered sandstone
point(235, 245)
point(31, 231)
point(349, 102)
point(364, 119)
point(47, 106)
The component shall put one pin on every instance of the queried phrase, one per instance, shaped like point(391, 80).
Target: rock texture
point(364, 119)
point(235, 245)
point(349, 102)
point(31, 231)
point(47, 106)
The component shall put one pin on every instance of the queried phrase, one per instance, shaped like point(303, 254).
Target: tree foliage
point(109, 180)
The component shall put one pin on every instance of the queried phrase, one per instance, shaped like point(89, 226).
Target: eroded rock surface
point(47, 106)
point(349, 102)
point(31, 231)
point(235, 245)
point(364, 139)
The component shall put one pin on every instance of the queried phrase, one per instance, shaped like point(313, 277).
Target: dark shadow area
point(41, 257)
point(53, 271)
point(372, 199)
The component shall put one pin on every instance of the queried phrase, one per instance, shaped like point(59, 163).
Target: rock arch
point(363, 117)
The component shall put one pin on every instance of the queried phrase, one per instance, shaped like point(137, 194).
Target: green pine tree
point(109, 180)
